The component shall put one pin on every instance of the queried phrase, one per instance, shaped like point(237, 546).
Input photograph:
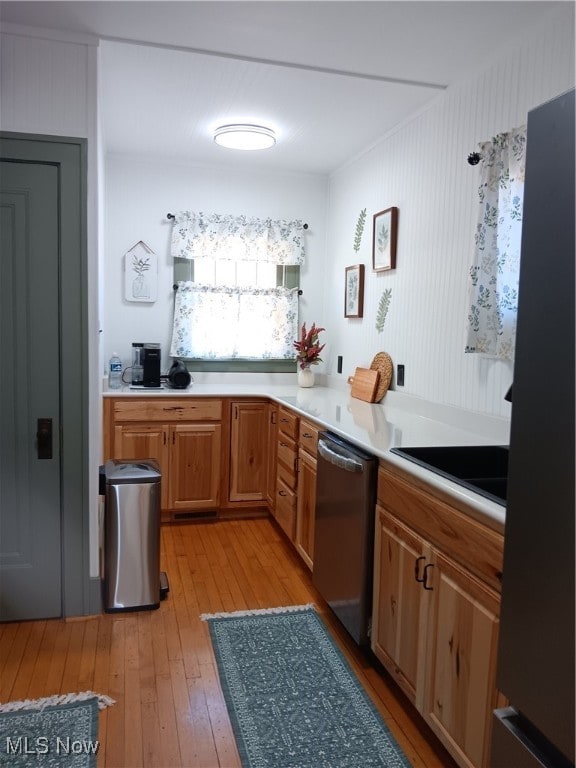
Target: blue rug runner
point(293, 700)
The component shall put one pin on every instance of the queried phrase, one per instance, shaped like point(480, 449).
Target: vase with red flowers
point(308, 349)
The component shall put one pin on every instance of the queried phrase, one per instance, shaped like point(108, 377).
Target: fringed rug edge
point(258, 612)
point(58, 699)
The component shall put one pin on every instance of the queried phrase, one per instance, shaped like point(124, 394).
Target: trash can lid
point(120, 471)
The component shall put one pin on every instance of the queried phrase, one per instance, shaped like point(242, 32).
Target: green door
point(30, 418)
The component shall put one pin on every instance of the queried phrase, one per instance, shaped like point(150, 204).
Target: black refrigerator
point(536, 650)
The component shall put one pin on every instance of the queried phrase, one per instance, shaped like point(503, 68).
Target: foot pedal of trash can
point(164, 587)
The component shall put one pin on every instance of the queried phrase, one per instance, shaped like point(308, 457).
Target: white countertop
point(398, 421)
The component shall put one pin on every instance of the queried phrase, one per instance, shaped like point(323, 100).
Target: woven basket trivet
point(382, 362)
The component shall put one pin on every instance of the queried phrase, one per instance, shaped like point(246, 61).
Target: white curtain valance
point(221, 323)
point(237, 238)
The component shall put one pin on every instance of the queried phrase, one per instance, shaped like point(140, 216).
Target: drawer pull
point(307, 436)
point(282, 493)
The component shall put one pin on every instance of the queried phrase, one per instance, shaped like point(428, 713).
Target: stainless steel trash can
point(131, 546)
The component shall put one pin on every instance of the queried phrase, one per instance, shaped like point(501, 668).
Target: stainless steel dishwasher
point(344, 532)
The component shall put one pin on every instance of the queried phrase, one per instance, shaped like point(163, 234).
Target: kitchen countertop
point(398, 421)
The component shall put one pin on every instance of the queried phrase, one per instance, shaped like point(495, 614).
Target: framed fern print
point(354, 292)
point(384, 237)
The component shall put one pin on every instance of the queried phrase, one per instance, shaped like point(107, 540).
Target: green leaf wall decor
point(383, 307)
point(359, 229)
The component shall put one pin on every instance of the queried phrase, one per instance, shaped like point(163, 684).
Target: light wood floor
point(159, 665)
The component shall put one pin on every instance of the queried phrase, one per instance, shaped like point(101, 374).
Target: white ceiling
point(331, 77)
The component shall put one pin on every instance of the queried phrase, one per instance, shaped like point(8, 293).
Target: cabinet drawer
point(288, 423)
point(287, 475)
point(167, 409)
point(308, 436)
point(286, 509)
point(473, 545)
point(287, 452)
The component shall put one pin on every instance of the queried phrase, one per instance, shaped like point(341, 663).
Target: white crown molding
point(58, 35)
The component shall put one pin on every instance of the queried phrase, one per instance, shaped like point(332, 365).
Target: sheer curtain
point(219, 323)
point(493, 303)
point(234, 308)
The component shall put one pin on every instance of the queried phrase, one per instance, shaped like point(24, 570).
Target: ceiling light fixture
point(246, 137)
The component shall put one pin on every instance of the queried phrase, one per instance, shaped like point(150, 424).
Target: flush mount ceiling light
point(243, 136)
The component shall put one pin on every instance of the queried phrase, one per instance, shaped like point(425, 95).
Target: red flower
point(309, 347)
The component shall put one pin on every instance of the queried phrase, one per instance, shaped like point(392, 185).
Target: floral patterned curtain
point(494, 274)
point(245, 323)
point(239, 238)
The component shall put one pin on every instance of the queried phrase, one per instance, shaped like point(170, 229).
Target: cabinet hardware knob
point(417, 569)
point(430, 565)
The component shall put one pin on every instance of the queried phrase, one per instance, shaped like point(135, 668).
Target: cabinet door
point(272, 454)
point(285, 512)
point(144, 441)
point(461, 689)
point(306, 507)
point(249, 452)
point(400, 602)
point(195, 451)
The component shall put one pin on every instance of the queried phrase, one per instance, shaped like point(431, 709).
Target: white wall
point(421, 168)
point(139, 194)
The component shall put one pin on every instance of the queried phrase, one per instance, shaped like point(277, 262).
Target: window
point(239, 298)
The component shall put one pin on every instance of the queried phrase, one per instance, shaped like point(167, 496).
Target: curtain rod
point(171, 216)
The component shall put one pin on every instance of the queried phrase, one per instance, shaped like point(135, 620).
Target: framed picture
point(354, 293)
point(384, 235)
point(140, 273)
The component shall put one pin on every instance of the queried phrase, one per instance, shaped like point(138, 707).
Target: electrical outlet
point(339, 363)
point(400, 376)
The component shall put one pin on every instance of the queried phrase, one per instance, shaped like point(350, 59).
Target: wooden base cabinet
point(185, 438)
point(436, 612)
point(461, 667)
point(272, 456)
point(248, 451)
point(306, 491)
point(400, 604)
point(194, 473)
point(143, 441)
point(286, 471)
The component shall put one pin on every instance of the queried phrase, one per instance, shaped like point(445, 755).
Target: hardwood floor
point(159, 665)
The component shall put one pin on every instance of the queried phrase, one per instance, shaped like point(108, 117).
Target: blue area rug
point(56, 732)
point(293, 700)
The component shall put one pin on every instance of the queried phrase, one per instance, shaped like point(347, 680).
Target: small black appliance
point(151, 365)
point(178, 375)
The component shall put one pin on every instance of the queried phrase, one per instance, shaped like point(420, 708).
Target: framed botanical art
point(384, 236)
point(354, 291)
point(140, 273)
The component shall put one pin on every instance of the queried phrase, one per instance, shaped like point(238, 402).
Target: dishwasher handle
point(348, 463)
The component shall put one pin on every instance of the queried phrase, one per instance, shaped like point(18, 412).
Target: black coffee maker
point(150, 357)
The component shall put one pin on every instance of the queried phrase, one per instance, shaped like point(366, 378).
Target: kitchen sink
point(481, 468)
